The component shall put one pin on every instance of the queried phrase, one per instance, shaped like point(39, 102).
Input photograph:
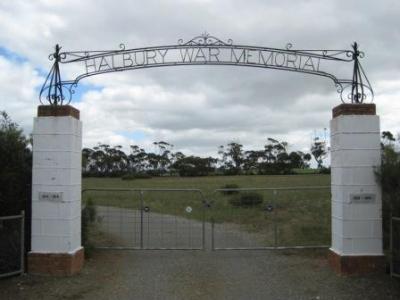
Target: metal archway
point(207, 50)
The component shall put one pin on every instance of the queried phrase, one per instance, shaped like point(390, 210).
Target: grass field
point(300, 217)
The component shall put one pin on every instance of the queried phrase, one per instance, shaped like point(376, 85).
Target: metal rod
point(141, 219)
point(274, 193)
point(141, 190)
point(11, 217)
point(204, 226)
point(212, 234)
point(22, 241)
point(320, 187)
point(276, 248)
point(10, 274)
point(147, 248)
point(391, 244)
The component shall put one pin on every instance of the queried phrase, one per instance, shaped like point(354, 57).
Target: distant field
point(210, 183)
point(301, 217)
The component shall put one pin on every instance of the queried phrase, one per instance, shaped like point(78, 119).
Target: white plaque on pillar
point(51, 196)
point(362, 198)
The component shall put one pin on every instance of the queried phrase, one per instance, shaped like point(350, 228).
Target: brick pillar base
point(62, 264)
point(355, 265)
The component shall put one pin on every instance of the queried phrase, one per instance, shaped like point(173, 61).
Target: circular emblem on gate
point(188, 209)
point(146, 209)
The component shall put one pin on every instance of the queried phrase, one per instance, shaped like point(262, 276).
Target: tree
point(299, 160)
point(275, 159)
point(232, 157)
point(387, 136)
point(137, 159)
point(252, 160)
point(87, 161)
point(318, 150)
point(388, 176)
point(195, 166)
point(105, 160)
point(15, 167)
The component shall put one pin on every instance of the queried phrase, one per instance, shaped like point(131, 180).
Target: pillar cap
point(354, 109)
point(58, 111)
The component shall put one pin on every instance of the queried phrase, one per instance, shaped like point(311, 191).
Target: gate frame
point(275, 247)
point(141, 192)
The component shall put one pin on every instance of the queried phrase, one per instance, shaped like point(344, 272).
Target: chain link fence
point(12, 238)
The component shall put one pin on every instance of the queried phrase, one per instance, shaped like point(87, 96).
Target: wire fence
point(271, 218)
point(148, 218)
point(12, 238)
point(395, 246)
point(254, 218)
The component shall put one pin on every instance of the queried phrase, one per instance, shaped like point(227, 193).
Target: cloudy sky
point(197, 108)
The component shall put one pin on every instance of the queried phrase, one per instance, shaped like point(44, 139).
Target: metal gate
point(271, 218)
point(12, 244)
point(252, 218)
point(147, 218)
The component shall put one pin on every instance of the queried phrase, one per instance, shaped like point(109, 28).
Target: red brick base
point(57, 111)
point(355, 265)
point(354, 109)
point(63, 264)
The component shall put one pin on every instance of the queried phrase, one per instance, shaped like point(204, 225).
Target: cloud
point(199, 108)
point(18, 92)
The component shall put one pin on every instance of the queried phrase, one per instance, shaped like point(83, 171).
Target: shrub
point(388, 176)
point(246, 199)
point(143, 176)
point(136, 176)
point(15, 167)
point(325, 170)
point(230, 186)
point(128, 177)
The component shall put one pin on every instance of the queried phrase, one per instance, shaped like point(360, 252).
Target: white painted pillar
point(56, 192)
point(356, 195)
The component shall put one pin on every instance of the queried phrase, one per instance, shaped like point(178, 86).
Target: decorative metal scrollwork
point(206, 50)
point(54, 90)
point(205, 40)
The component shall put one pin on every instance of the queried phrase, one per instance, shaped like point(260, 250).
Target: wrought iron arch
point(206, 50)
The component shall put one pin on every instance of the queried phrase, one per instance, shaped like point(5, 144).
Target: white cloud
point(199, 108)
point(18, 94)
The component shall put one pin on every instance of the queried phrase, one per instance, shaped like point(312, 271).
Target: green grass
point(301, 217)
point(210, 183)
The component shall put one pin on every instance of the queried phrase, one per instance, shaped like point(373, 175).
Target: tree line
point(104, 160)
